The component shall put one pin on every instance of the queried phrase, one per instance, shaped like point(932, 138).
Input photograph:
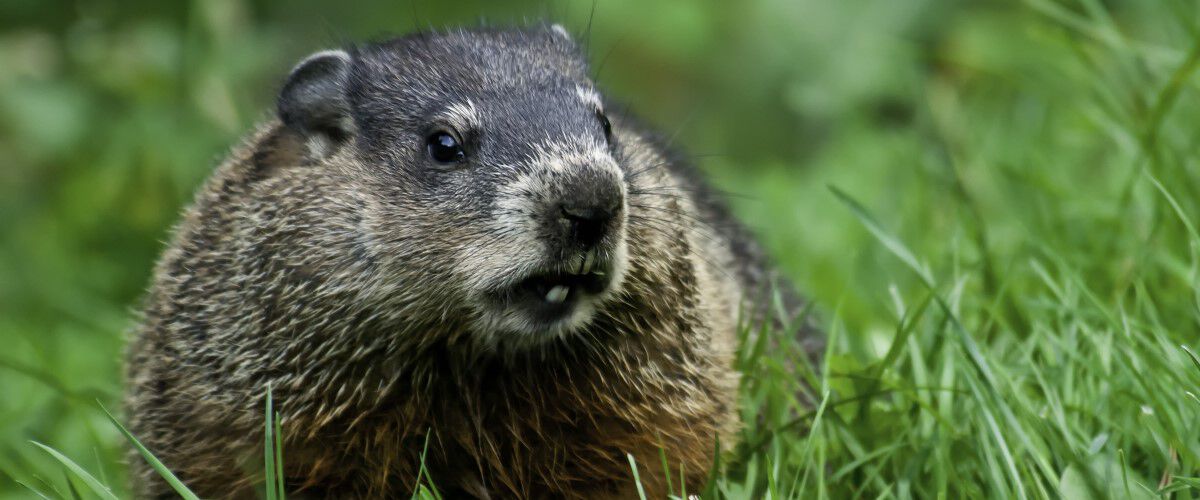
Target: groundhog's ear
point(313, 100)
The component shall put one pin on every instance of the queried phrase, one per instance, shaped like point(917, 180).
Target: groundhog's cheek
point(490, 260)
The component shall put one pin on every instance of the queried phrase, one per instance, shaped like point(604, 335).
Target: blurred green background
point(1019, 127)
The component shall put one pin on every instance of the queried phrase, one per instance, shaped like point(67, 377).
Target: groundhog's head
point(493, 178)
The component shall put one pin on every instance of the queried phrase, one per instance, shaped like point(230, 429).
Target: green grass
point(993, 206)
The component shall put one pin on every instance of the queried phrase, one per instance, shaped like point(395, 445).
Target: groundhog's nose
point(587, 224)
point(587, 209)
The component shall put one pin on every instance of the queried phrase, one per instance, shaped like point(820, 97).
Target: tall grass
point(994, 206)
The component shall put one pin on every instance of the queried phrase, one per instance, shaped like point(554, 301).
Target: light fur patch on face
point(318, 146)
point(575, 153)
point(590, 97)
point(463, 116)
point(515, 251)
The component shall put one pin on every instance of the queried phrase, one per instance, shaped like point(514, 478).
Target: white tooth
point(557, 294)
point(575, 263)
point(589, 261)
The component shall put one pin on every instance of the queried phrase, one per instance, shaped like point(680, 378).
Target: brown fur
point(271, 280)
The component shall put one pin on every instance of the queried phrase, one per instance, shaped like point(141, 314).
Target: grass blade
point(637, 478)
point(71, 486)
point(31, 488)
point(893, 245)
point(279, 457)
point(420, 490)
point(662, 455)
point(974, 353)
point(269, 452)
point(158, 466)
point(92, 483)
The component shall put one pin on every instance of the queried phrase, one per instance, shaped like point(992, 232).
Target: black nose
point(587, 224)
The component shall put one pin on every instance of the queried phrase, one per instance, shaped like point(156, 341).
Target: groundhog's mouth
point(553, 293)
point(558, 288)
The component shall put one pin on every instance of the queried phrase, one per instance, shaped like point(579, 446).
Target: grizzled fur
point(328, 260)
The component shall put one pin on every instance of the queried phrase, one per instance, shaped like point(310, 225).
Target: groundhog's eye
point(444, 148)
point(606, 124)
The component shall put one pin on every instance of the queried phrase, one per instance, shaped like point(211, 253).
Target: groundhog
point(448, 255)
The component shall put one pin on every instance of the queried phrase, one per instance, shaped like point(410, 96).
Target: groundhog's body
point(342, 279)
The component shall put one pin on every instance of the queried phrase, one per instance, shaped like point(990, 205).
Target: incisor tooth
point(575, 263)
point(557, 294)
point(589, 261)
